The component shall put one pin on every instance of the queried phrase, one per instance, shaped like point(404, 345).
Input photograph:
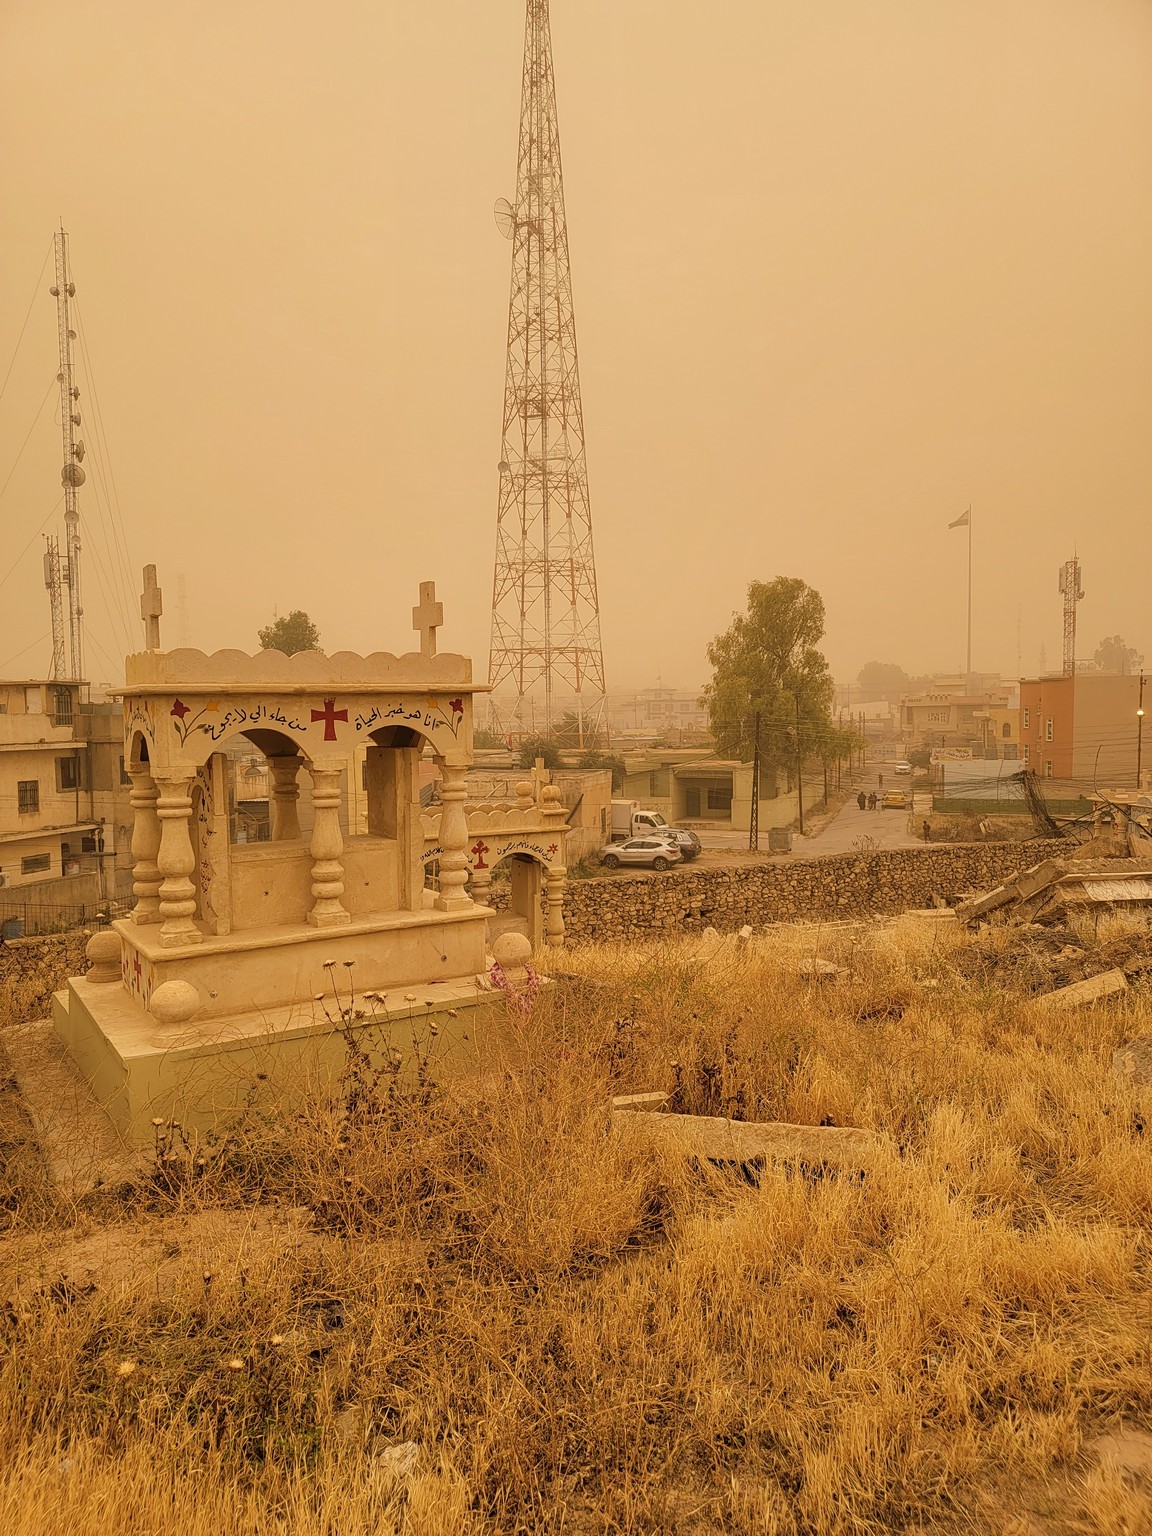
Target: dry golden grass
point(581, 1340)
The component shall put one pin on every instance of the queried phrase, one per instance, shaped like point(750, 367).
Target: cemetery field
point(479, 1309)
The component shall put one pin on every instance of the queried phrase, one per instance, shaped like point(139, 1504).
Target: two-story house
point(64, 809)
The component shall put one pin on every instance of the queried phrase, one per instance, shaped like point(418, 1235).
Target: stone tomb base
point(242, 1048)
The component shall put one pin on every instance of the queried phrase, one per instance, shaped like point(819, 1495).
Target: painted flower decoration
point(456, 706)
point(432, 703)
point(212, 707)
point(180, 709)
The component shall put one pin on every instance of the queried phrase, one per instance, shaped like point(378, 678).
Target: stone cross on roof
point(427, 618)
point(151, 607)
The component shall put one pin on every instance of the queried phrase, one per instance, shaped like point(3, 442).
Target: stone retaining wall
point(846, 886)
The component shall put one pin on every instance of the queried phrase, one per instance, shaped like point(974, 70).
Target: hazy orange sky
point(840, 269)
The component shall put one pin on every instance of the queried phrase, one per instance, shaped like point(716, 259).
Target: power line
point(31, 429)
point(24, 652)
point(28, 546)
point(27, 317)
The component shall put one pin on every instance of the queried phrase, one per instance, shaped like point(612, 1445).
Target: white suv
point(656, 852)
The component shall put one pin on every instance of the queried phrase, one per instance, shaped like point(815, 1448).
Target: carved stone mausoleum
point(218, 971)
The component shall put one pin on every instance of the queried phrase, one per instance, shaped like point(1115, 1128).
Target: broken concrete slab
point(640, 1101)
point(1083, 993)
point(1132, 1061)
point(1128, 1450)
point(714, 1139)
point(815, 969)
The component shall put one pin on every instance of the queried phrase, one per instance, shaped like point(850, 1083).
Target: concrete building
point(1081, 727)
point(939, 717)
point(65, 816)
point(674, 715)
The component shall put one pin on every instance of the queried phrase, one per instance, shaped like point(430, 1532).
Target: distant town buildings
point(65, 817)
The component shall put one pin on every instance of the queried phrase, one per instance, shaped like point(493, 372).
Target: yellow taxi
point(894, 800)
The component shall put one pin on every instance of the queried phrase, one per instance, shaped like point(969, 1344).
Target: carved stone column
point(145, 846)
point(285, 798)
point(554, 882)
point(481, 885)
point(327, 848)
point(176, 860)
point(453, 840)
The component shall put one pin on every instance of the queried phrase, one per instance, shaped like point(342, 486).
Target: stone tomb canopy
point(231, 940)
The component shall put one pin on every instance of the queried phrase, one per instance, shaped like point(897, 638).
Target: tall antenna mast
point(1073, 592)
point(54, 583)
point(71, 475)
point(545, 608)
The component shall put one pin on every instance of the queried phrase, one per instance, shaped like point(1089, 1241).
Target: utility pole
point(545, 605)
point(799, 771)
point(71, 475)
point(1140, 734)
point(754, 817)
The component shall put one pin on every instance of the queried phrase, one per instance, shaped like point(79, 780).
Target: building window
point(35, 863)
point(125, 776)
point(720, 800)
point(1048, 730)
point(1006, 729)
point(61, 706)
point(28, 796)
point(33, 701)
point(67, 773)
point(937, 717)
point(1027, 751)
point(1048, 769)
point(1027, 718)
point(89, 843)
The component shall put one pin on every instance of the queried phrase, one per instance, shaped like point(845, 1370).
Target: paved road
point(847, 832)
point(843, 834)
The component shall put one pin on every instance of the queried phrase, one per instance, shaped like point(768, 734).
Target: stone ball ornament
point(512, 952)
point(174, 1002)
point(103, 951)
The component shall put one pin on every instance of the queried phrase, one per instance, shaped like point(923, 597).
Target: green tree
point(883, 679)
point(768, 661)
point(290, 633)
point(1112, 655)
point(566, 734)
point(533, 747)
point(488, 741)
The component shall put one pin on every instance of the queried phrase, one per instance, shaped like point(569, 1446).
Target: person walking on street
point(927, 831)
point(862, 800)
point(872, 801)
point(880, 780)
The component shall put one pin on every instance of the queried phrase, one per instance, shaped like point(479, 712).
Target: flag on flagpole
point(963, 520)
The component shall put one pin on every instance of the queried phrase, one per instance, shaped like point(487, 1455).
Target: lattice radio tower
point(63, 571)
point(1072, 592)
point(545, 609)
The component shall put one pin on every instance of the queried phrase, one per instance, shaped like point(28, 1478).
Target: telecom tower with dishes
point(546, 658)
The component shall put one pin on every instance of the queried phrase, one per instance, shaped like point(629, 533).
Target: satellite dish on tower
point(505, 216)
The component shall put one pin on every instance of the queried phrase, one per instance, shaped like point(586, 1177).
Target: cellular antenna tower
point(63, 571)
point(545, 610)
point(1072, 592)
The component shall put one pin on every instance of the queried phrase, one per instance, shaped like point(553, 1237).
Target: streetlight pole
point(1140, 734)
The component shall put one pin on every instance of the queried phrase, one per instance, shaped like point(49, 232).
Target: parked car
point(657, 852)
point(901, 767)
point(894, 800)
point(686, 840)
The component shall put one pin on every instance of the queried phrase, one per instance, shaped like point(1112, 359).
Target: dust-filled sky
point(840, 269)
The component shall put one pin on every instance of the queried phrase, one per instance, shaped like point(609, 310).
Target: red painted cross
point(137, 967)
point(329, 714)
point(478, 852)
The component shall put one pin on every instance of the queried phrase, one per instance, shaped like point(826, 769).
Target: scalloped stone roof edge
point(187, 666)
